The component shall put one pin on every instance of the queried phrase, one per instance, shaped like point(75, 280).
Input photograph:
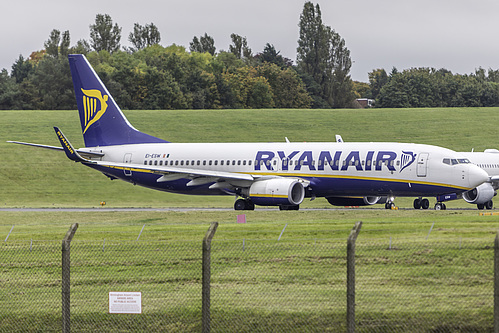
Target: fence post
point(206, 320)
point(66, 281)
point(351, 277)
point(496, 284)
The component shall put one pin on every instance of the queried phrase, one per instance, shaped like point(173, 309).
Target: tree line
point(147, 75)
point(429, 87)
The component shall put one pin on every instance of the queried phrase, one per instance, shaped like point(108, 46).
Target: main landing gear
point(488, 205)
point(421, 203)
point(242, 204)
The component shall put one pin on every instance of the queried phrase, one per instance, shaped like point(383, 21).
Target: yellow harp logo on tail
point(91, 99)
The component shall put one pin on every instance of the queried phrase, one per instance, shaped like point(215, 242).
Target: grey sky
point(459, 35)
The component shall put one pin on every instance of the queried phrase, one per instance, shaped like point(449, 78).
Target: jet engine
point(353, 201)
point(480, 194)
point(277, 191)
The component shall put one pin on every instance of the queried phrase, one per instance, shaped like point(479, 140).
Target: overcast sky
point(459, 35)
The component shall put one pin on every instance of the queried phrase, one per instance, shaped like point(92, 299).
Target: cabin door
point(422, 166)
point(127, 159)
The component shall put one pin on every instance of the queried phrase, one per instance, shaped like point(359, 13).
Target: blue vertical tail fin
point(102, 122)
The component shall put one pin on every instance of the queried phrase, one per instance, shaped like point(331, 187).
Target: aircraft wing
point(172, 173)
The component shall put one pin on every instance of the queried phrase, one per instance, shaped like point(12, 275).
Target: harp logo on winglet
point(94, 104)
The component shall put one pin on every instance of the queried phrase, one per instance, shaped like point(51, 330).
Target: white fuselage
point(331, 168)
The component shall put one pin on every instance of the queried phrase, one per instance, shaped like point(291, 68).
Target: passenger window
point(249, 162)
point(244, 162)
point(216, 162)
point(209, 162)
point(222, 162)
point(186, 162)
point(150, 162)
point(145, 162)
point(239, 162)
point(160, 162)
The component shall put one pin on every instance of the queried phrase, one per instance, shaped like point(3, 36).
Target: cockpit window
point(454, 161)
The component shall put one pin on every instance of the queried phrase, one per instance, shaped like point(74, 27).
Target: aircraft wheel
point(489, 204)
point(250, 205)
point(425, 203)
point(480, 206)
point(417, 204)
point(389, 205)
point(440, 206)
point(240, 204)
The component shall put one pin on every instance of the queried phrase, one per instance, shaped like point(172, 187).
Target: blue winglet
point(71, 153)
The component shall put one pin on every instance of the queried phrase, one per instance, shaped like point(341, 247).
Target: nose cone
point(476, 176)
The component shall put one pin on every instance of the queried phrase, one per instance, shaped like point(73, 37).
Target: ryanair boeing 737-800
point(268, 174)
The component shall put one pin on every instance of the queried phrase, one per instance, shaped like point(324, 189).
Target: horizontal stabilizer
point(88, 154)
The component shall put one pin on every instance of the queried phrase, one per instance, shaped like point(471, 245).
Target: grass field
point(397, 285)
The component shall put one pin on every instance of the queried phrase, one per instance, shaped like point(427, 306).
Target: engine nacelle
point(276, 192)
point(480, 194)
point(353, 201)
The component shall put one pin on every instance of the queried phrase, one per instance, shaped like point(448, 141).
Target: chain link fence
point(256, 286)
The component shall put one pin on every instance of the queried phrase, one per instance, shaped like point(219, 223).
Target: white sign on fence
point(125, 302)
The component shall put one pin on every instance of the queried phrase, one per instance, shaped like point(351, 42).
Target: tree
point(272, 56)
point(56, 46)
point(65, 43)
point(8, 91)
point(324, 58)
point(52, 44)
point(53, 81)
point(103, 35)
point(239, 47)
point(21, 69)
point(144, 36)
point(377, 79)
point(203, 44)
point(81, 47)
point(287, 88)
point(312, 51)
point(341, 93)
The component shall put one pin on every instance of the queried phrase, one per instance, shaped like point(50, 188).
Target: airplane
point(279, 174)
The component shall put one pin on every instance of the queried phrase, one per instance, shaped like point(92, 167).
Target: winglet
point(71, 153)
